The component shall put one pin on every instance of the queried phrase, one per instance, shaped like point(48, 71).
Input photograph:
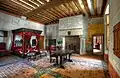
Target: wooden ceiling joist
point(10, 10)
point(50, 11)
point(55, 12)
point(86, 7)
point(95, 7)
point(78, 6)
point(73, 11)
point(69, 9)
point(51, 4)
point(62, 11)
point(14, 9)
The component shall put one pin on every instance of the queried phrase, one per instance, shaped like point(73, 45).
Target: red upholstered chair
point(3, 50)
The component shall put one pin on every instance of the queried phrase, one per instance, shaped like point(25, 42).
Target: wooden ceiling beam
point(65, 9)
point(51, 4)
point(9, 4)
point(49, 15)
point(35, 19)
point(13, 8)
point(78, 6)
point(19, 3)
point(43, 13)
point(75, 9)
point(28, 3)
point(9, 9)
point(57, 16)
point(86, 7)
point(33, 2)
point(37, 2)
point(90, 7)
point(43, 1)
point(73, 12)
point(55, 12)
point(61, 13)
point(62, 10)
point(69, 9)
point(99, 6)
point(95, 7)
point(40, 18)
point(82, 5)
point(104, 6)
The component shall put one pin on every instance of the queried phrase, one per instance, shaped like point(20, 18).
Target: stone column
point(82, 46)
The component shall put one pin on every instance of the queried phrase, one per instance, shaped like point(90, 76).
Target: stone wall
point(51, 31)
point(72, 24)
point(114, 19)
point(9, 22)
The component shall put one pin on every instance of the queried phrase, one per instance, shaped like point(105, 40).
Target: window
point(18, 41)
point(34, 42)
point(117, 39)
point(107, 32)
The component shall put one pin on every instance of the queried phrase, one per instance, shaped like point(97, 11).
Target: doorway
point(98, 44)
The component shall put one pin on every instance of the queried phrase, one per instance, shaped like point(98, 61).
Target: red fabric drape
point(27, 36)
point(38, 37)
point(12, 48)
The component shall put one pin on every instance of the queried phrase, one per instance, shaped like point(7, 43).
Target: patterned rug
point(81, 67)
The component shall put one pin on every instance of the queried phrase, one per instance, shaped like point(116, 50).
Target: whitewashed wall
point(78, 25)
point(8, 22)
point(73, 24)
point(1, 38)
point(114, 19)
point(52, 31)
point(98, 20)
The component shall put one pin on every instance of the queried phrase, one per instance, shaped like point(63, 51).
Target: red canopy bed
point(25, 41)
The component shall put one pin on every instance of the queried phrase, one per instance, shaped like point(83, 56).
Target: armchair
point(3, 50)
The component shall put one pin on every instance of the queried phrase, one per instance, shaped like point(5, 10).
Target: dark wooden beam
point(56, 12)
point(70, 5)
point(50, 12)
point(104, 6)
point(95, 7)
point(86, 7)
point(51, 4)
point(11, 9)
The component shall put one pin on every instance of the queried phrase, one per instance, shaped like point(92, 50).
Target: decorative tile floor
point(81, 67)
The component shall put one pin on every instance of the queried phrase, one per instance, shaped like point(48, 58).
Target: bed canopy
point(25, 40)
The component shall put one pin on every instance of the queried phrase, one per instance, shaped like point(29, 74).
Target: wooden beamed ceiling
point(50, 11)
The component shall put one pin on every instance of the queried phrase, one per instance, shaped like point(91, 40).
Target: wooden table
point(61, 53)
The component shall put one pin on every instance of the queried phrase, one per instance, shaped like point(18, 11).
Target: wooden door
point(117, 40)
point(41, 42)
